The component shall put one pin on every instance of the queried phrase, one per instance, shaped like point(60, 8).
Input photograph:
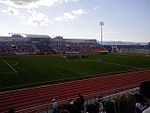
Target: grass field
point(26, 71)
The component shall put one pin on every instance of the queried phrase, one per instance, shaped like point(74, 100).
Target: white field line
point(10, 66)
point(106, 62)
point(112, 63)
point(15, 63)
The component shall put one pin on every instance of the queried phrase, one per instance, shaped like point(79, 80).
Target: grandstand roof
point(4, 38)
point(81, 40)
point(17, 36)
point(37, 36)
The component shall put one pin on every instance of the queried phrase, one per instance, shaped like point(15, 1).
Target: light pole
point(101, 26)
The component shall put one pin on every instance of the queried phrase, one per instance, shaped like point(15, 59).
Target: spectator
point(11, 110)
point(109, 107)
point(145, 91)
point(141, 103)
point(68, 108)
point(125, 103)
point(70, 101)
point(79, 103)
point(55, 106)
point(64, 111)
point(99, 105)
point(101, 108)
point(91, 108)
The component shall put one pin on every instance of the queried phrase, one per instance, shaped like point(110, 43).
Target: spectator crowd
point(126, 102)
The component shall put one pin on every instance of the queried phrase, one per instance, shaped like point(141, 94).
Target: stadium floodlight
point(101, 27)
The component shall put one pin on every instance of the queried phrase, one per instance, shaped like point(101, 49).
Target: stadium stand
point(43, 44)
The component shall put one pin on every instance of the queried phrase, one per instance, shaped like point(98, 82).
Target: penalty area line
point(10, 66)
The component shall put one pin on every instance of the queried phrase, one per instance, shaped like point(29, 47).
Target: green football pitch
point(26, 71)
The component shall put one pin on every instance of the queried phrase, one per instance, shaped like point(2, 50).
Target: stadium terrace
point(43, 44)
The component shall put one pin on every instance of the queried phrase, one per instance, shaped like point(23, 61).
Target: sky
point(124, 20)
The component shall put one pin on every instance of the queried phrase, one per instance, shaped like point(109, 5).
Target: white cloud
point(35, 18)
point(69, 0)
point(70, 15)
point(59, 19)
point(11, 11)
point(96, 7)
point(52, 2)
point(38, 18)
point(33, 3)
point(19, 3)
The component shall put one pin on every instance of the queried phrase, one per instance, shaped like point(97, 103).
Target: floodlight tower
point(101, 27)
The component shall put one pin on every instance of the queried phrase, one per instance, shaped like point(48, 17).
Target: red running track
point(32, 100)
